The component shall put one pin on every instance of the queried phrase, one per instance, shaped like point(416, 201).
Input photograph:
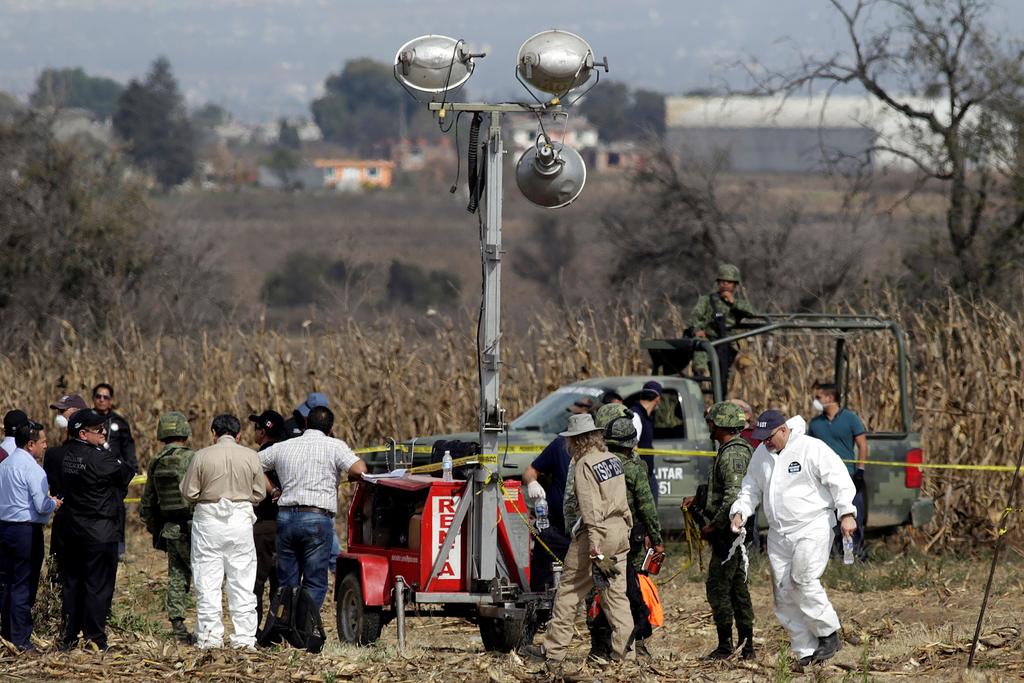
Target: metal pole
point(1000, 532)
point(400, 611)
point(491, 415)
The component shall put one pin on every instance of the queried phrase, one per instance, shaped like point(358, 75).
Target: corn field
point(398, 379)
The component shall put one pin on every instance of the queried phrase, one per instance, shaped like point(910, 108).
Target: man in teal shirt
point(844, 433)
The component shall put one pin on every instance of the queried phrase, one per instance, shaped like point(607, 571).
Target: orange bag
point(650, 594)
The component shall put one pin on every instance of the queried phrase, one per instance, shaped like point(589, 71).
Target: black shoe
point(181, 633)
point(827, 647)
point(804, 661)
point(724, 649)
point(746, 635)
point(535, 653)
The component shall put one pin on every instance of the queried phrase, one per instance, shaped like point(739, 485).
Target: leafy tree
point(623, 115)
point(363, 106)
point(288, 135)
point(210, 116)
point(548, 256)
point(284, 162)
point(151, 117)
point(411, 285)
point(60, 88)
point(309, 278)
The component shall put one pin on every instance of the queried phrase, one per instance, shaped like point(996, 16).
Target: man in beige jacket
point(597, 552)
point(223, 482)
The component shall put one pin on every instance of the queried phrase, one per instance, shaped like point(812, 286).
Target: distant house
point(355, 174)
point(623, 155)
point(577, 132)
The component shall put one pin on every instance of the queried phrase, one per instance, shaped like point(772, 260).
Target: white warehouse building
point(795, 134)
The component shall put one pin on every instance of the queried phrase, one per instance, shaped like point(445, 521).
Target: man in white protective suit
point(223, 482)
point(802, 485)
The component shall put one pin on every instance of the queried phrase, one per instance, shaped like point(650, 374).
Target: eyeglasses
point(102, 397)
point(98, 430)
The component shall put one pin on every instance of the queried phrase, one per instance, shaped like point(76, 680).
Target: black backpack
point(293, 616)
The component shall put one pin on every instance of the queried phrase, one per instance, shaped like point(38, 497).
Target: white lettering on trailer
point(443, 513)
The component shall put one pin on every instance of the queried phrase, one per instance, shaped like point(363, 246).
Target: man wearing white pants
point(801, 484)
point(224, 481)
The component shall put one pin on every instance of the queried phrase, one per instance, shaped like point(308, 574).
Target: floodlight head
point(433, 64)
point(555, 61)
point(550, 174)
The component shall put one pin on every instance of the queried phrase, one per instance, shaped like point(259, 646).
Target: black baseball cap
point(766, 423)
point(83, 419)
point(652, 387)
point(269, 421)
point(12, 419)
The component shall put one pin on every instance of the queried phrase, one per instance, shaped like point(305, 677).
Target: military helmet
point(173, 424)
point(727, 415)
point(728, 272)
point(617, 422)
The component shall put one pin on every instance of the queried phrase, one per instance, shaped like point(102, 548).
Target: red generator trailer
point(419, 545)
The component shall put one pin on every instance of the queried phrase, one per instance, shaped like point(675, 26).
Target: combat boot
point(724, 649)
point(746, 634)
point(827, 647)
point(181, 633)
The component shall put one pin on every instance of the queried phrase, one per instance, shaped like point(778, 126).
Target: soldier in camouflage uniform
point(168, 517)
point(715, 316)
point(726, 585)
point(620, 436)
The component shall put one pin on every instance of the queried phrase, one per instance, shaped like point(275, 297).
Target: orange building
point(353, 174)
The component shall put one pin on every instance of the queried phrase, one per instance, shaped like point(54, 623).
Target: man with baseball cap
point(296, 424)
point(53, 460)
point(597, 552)
point(802, 486)
point(95, 482)
point(269, 427)
point(12, 420)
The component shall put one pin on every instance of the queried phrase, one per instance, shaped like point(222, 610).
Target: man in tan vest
point(597, 552)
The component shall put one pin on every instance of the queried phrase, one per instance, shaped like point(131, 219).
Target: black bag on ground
point(293, 617)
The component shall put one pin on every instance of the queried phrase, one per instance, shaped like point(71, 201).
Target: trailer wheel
point(357, 624)
point(500, 634)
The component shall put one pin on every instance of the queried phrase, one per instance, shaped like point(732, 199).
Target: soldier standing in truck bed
point(715, 316)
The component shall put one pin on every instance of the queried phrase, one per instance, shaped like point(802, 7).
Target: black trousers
point(541, 562)
point(601, 630)
point(88, 589)
point(264, 534)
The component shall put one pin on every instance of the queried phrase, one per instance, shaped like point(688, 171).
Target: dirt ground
point(904, 617)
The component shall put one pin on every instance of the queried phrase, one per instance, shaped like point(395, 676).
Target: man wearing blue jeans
point(309, 468)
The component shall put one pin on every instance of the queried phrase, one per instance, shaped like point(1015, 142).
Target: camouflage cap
point(617, 422)
point(728, 272)
point(173, 424)
point(727, 415)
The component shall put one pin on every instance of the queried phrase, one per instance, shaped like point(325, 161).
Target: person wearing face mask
point(66, 406)
point(843, 431)
point(803, 486)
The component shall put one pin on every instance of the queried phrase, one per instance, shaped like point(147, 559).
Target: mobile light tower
point(431, 68)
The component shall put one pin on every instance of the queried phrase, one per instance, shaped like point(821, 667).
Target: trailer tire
point(357, 624)
point(500, 634)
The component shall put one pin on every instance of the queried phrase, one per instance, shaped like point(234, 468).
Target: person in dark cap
point(643, 419)
point(269, 427)
point(12, 420)
point(803, 487)
point(611, 396)
point(95, 482)
point(53, 462)
point(296, 424)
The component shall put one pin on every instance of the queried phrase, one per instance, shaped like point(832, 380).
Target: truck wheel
point(500, 634)
point(357, 624)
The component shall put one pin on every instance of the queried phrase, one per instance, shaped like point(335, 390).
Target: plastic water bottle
point(540, 511)
point(847, 550)
point(446, 466)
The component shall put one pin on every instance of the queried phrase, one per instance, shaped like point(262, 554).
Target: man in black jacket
point(95, 482)
point(269, 430)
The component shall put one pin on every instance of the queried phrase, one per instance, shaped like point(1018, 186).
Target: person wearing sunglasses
point(95, 482)
point(120, 441)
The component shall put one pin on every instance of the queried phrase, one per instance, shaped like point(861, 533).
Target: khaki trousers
point(576, 583)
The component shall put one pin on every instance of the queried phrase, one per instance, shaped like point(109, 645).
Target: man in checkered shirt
point(309, 468)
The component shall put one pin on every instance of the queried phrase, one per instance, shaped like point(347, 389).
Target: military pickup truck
point(682, 445)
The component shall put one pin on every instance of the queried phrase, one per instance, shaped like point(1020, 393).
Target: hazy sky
point(261, 58)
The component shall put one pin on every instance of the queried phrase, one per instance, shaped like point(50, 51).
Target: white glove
point(535, 491)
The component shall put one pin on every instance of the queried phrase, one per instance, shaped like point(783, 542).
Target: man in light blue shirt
point(25, 508)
